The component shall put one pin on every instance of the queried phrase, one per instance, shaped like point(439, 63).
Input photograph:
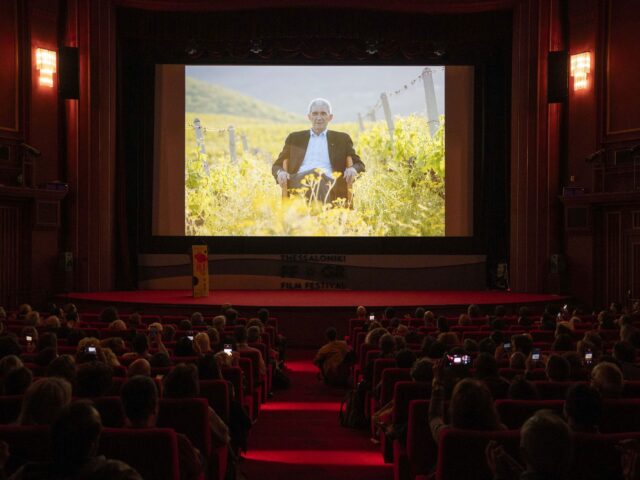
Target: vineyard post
point(360, 122)
point(232, 144)
point(387, 115)
point(430, 97)
point(197, 128)
point(245, 144)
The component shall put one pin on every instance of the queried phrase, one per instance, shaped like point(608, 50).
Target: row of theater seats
point(101, 332)
point(586, 321)
point(419, 454)
point(460, 452)
point(153, 452)
point(541, 338)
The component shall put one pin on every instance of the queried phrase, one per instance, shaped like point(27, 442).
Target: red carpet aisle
point(298, 436)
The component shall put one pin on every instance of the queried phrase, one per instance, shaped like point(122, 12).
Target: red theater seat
point(111, 411)
point(462, 451)
point(620, 415)
point(514, 413)
point(26, 444)
point(553, 390)
point(217, 394)
point(153, 452)
point(10, 406)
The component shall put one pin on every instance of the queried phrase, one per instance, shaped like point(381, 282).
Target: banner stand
point(200, 265)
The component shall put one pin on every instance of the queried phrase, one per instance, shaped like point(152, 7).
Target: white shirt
point(317, 155)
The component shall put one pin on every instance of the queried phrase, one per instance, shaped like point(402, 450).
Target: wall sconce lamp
point(46, 66)
point(580, 70)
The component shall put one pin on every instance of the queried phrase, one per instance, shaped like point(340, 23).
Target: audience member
point(546, 445)
point(75, 436)
point(487, 372)
point(201, 343)
point(185, 325)
point(374, 334)
point(524, 317)
point(607, 378)
point(558, 369)
point(17, 381)
point(160, 359)
point(182, 382)
point(63, 367)
point(231, 315)
point(184, 347)
point(442, 324)
point(93, 379)
point(44, 400)
point(108, 315)
point(405, 358)
point(240, 335)
point(140, 366)
point(429, 318)
point(474, 311)
point(606, 320)
point(583, 408)
point(197, 320)
point(625, 355)
point(139, 397)
point(332, 359)
point(471, 406)
point(522, 389)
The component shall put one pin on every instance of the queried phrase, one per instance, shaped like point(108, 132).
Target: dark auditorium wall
point(29, 220)
point(602, 227)
point(597, 233)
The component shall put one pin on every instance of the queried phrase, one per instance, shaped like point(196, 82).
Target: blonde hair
point(201, 343)
point(117, 325)
point(157, 325)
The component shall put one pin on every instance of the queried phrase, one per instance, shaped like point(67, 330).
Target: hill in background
point(203, 97)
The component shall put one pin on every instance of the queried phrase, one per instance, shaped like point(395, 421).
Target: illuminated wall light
point(580, 70)
point(46, 66)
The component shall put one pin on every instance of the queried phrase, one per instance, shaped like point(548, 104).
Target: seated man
point(306, 152)
point(330, 359)
point(546, 446)
point(140, 402)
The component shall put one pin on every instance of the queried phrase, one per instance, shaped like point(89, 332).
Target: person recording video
point(320, 149)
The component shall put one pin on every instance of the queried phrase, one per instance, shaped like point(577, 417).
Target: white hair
point(319, 101)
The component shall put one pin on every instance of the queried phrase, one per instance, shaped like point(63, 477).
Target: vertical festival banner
point(200, 264)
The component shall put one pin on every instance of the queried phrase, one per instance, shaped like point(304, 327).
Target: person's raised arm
point(279, 168)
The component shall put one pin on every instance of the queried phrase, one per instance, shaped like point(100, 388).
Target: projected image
point(314, 151)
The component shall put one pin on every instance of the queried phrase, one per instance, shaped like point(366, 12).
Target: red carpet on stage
point(298, 435)
point(315, 298)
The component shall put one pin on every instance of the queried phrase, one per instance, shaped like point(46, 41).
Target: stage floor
point(313, 298)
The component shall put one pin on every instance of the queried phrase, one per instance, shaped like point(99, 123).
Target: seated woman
point(471, 406)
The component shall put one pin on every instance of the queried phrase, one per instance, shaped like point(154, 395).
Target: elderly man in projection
point(320, 152)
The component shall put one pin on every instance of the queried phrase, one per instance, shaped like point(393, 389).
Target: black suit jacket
point(340, 147)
